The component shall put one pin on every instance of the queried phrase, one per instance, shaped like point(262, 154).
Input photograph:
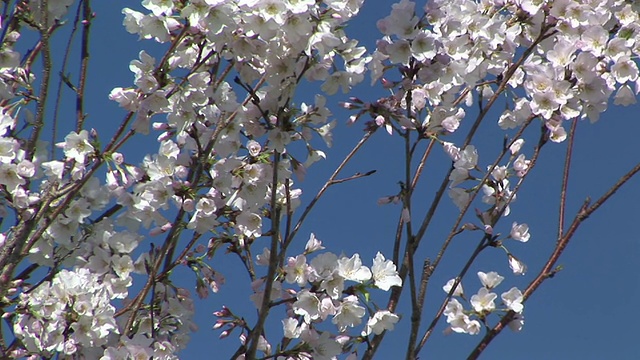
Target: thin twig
point(483, 243)
point(255, 333)
point(307, 210)
point(548, 269)
point(565, 178)
point(84, 63)
point(397, 291)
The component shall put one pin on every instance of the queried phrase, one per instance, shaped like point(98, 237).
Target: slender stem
point(44, 88)
point(548, 270)
point(397, 291)
point(63, 70)
point(482, 245)
point(324, 188)
point(254, 336)
point(84, 63)
point(565, 178)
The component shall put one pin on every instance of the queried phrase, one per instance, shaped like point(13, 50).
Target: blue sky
point(587, 311)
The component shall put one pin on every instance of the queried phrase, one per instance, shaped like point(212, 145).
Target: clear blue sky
point(588, 311)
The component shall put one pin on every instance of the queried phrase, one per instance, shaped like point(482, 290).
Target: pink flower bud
point(516, 265)
point(225, 312)
point(386, 83)
point(164, 136)
point(219, 324)
point(117, 157)
point(160, 126)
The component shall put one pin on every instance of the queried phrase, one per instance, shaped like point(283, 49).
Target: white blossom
point(384, 273)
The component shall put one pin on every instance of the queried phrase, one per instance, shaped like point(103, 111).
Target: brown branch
point(482, 245)
point(565, 178)
point(330, 181)
point(397, 291)
point(65, 59)
point(254, 335)
point(84, 63)
point(548, 269)
point(353, 177)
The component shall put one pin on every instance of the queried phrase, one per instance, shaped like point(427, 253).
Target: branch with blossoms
point(474, 60)
point(216, 184)
point(234, 129)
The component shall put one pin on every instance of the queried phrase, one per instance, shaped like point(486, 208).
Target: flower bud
point(516, 266)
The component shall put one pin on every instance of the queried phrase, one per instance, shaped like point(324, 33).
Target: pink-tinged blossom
point(76, 146)
point(349, 313)
point(10, 178)
point(254, 147)
point(406, 215)
point(459, 291)
point(624, 70)
point(307, 305)
point(278, 139)
point(249, 224)
point(513, 299)
point(384, 273)
point(468, 158)
point(388, 199)
point(333, 286)
point(327, 307)
point(276, 292)
point(458, 176)
point(296, 270)
point(518, 267)
point(521, 164)
point(326, 134)
point(451, 150)
point(323, 267)
point(352, 269)
point(508, 120)
point(159, 7)
point(483, 301)
point(516, 146)
point(129, 99)
point(8, 148)
point(263, 259)
point(290, 328)
point(314, 156)
point(624, 96)
point(490, 280)
point(7, 122)
point(458, 321)
point(520, 232)
point(313, 244)
point(381, 321)
point(322, 345)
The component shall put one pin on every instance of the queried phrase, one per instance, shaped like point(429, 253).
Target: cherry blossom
point(384, 273)
point(232, 124)
point(382, 320)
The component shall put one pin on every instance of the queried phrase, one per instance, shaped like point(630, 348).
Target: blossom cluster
point(554, 60)
point(323, 294)
point(203, 168)
point(69, 313)
point(581, 54)
point(482, 304)
point(228, 151)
